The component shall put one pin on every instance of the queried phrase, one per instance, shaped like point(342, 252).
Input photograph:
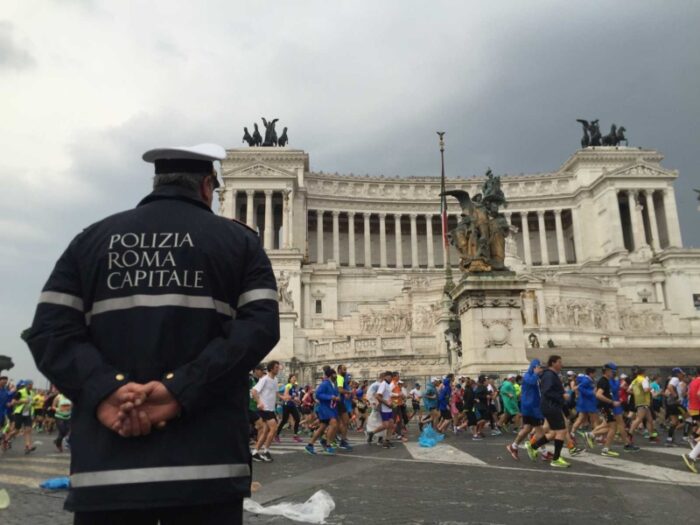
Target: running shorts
point(252, 416)
point(22, 421)
point(555, 418)
point(471, 418)
point(267, 415)
point(416, 406)
point(387, 416)
point(533, 421)
point(342, 409)
point(38, 412)
point(608, 413)
point(445, 413)
point(673, 410)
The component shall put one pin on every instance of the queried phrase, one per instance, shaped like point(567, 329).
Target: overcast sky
point(87, 86)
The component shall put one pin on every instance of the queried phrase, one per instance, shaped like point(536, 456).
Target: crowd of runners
point(601, 410)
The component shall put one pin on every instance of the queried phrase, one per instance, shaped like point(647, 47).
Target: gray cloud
point(363, 88)
point(12, 56)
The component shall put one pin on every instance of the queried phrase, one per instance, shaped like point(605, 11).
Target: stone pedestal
point(284, 350)
point(489, 309)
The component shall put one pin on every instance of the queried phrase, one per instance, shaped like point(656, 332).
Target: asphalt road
point(457, 482)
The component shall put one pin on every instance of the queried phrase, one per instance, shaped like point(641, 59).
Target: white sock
point(514, 446)
point(695, 452)
point(254, 451)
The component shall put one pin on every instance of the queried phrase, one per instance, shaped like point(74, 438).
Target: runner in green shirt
point(509, 398)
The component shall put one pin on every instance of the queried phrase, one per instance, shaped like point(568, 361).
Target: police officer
point(149, 323)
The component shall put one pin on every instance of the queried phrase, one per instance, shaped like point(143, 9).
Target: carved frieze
point(392, 322)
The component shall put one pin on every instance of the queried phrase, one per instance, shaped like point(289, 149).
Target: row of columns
point(542, 231)
point(268, 230)
point(639, 237)
point(383, 263)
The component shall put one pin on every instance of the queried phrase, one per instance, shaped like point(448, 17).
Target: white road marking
point(41, 469)
point(641, 469)
point(678, 452)
point(37, 459)
point(20, 480)
point(441, 452)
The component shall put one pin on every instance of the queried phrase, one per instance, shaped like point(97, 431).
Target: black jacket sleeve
point(551, 389)
point(59, 341)
point(247, 339)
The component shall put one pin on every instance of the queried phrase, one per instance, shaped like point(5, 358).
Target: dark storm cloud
point(12, 56)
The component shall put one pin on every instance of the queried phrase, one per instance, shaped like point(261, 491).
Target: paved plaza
point(457, 482)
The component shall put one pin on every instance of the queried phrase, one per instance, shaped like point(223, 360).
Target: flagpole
point(449, 283)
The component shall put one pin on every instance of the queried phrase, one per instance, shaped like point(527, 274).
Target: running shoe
point(257, 457)
point(267, 458)
point(589, 439)
point(344, 445)
point(370, 436)
point(513, 451)
point(690, 463)
point(496, 432)
point(324, 443)
point(669, 444)
point(559, 463)
point(610, 453)
point(310, 449)
point(30, 450)
point(575, 451)
point(547, 456)
point(531, 452)
point(477, 437)
point(631, 448)
point(654, 435)
point(329, 451)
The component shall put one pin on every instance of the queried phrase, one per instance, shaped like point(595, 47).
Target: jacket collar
point(176, 193)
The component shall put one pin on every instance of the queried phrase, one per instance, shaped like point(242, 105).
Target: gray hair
point(190, 181)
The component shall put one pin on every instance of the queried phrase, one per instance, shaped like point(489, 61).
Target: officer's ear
point(206, 189)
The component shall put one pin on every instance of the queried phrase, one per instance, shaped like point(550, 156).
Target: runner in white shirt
point(416, 396)
point(265, 393)
point(374, 424)
point(386, 412)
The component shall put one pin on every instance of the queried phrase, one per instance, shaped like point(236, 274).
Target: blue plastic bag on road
point(429, 437)
point(56, 483)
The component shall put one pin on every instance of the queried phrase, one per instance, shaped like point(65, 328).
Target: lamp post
point(449, 283)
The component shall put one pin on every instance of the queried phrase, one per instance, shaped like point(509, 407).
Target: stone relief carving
point(425, 317)
point(580, 313)
point(385, 322)
point(497, 332)
point(645, 321)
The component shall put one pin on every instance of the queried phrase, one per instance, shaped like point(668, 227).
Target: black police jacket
point(170, 292)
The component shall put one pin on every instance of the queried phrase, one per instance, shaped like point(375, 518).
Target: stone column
point(290, 219)
point(397, 238)
point(382, 240)
point(249, 215)
point(414, 241)
point(351, 238)
point(637, 220)
point(336, 238)
point(544, 253)
point(307, 303)
point(659, 290)
point(576, 228)
point(649, 195)
point(232, 206)
point(319, 236)
point(672, 224)
point(526, 238)
point(268, 220)
point(560, 237)
point(285, 220)
point(429, 240)
point(368, 241)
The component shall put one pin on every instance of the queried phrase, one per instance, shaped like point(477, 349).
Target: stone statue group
point(481, 233)
point(593, 137)
point(271, 139)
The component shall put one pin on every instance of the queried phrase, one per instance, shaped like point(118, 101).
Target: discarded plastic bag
point(56, 483)
point(4, 499)
point(314, 510)
point(426, 442)
point(429, 434)
point(374, 421)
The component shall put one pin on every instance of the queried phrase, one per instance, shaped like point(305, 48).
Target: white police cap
point(186, 159)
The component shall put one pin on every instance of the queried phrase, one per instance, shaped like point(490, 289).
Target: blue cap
point(610, 366)
point(677, 371)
